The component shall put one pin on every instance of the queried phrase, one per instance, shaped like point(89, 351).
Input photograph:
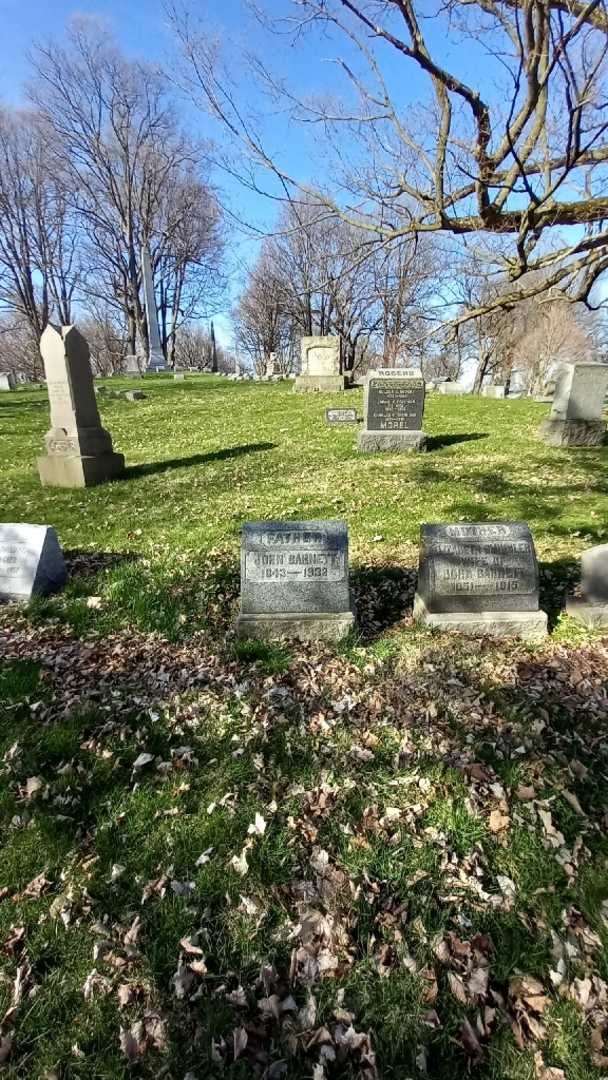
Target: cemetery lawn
point(220, 858)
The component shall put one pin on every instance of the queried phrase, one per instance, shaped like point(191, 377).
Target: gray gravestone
point(179, 376)
point(132, 365)
point(320, 366)
point(393, 406)
point(78, 449)
point(479, 579)
point(7, 380)
point(31, 561)
point(576, 416)
point(493, 391)
point(135, 395)
point(591, 607)
point(294, 580)
point(341, 416)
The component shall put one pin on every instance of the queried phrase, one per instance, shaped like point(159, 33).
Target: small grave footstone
point(179, 376)
point(31, 561)
point(320, 366)
point(393, 406)
point(451, 388)
point(135, 395)
point(341, 416)
point(7, 380)
point(479, 579)
point(294, 580)
point(591, 607)
point(576, 415)
point(78, 449)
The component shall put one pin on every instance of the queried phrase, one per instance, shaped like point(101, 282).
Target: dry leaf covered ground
point(226, 859)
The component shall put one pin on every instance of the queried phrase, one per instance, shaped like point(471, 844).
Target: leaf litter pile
point(297, 862)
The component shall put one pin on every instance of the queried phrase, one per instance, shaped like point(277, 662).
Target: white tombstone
point(451, 388)
point(31, 561)
point(493, 391)
point(320, 365)
point(7, 380)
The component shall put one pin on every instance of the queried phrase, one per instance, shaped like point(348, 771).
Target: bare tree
point(132, 172)
point(39, 264)
point(517, 152)
point(262, 324)
point(552, 334)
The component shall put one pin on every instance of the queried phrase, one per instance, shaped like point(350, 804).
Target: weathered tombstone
point(320, 366)
point(31, 561)
point(132, 365)
point(78, 449)
point(135, 395)
point(156, 356)
point(7, 380)
point(451, 388)
point(341, 416)
point(294, 580)
point(493, 391)
point(393, 406)
point(479, 579)
point(179, 376)
point(591, 607)
point(576, 416)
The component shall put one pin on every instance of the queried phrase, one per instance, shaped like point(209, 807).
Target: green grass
point(377, 765)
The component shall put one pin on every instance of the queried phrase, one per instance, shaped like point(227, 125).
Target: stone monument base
point(594, 615)
point(528, 625)
point(56, 470)
point(305, 626)
point(393, 442)
point(572, 432)
point(326, 384)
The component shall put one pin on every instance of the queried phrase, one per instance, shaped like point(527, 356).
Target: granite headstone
point(7, 380)
point(393, 406)
point(576, 417)
point(479, 578)
point(294, 580)
point(320, 366)
point(591, 607)
point(31, 561)
point(78, 449)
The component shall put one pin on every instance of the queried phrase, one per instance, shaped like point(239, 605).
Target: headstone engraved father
point(479, 579)
point(294, 580)
point(393, 405)
point(78, 449)
point(31, 561)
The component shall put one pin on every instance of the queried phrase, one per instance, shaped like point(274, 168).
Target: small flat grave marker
point(479, 579)
point(294, 580)
point(31, 561)
point(341, 416)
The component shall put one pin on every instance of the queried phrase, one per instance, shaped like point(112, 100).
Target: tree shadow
point(154, 467)
point(556, 580)
point(437, 442)
point(382, 596)
point(83, 563)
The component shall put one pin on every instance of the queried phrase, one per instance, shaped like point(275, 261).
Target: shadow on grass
point(82, 563)
point(437, 442)
point(383, 596)
point(154, 467)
